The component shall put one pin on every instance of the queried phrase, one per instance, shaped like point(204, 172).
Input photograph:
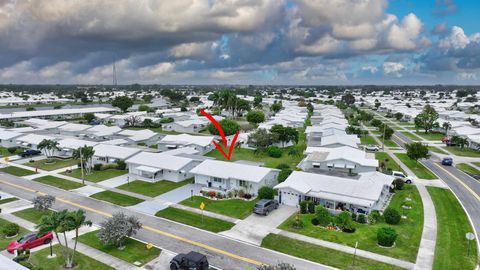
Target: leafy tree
point(255, 117)
point(446, 126)
point(242, 105)
point(61, 223)
point(388, 131)
point(294, 152)
point(398, 116)
point(276, 106)
point(257, 101)
point(148, 98)
point(43, 203)
point(48, 147)
point(426, 119)
point(117, 229)
point(143, 108)
point(274, 151)
point(266, 192)
point(262, 139)
point(194, 99)
point(377, 104)
point(89, 117)
point(229, 127)
point(122, 102)
point(376, 123)
point(459, 141)
point(284, 174)
point(285, 134)
point(386, 236)
point(417, 151)
point(147, 123)
point(323, 215)
point(348, 98)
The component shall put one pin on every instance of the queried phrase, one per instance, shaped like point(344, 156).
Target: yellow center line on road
point(460, 181)
point(226, 253)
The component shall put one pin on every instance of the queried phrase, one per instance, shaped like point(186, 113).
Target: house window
point(242, 183)
point(216, 179)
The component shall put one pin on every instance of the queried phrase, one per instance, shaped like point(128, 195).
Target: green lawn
point(16, 171)
point(418, 169)
point(195, 220)
point(31, 214)
point(368, 140)
point(58, 182)
point(476, 164)
point(116, 198)
point(391, 164)
point(409, 230)
point(52, 163)
point(468, 169)
point(411, 136)
point(437, 150)
point(7, 200)
point(5, 241)
point(83, 262)
point(431, 136)
point(236, 208)
point(452, 225)
point(135, 251)
point(97, 176)
point(4, 151)
point(153, 189)
point(464, 152)
point(390, 143)
point(321, 254)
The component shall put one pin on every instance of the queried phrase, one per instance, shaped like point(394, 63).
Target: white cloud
point(370, 69)
point(456, 40)
point(405, 36)
point(393, 68)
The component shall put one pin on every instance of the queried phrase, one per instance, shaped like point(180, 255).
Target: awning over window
point(148, 169)
point(316, 164)
point(339, 165)
point(349, 166)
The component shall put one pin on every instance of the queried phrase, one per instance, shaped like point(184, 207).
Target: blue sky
point(240, 41)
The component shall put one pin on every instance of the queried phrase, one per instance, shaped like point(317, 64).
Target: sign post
point(202, 206)
point(355, 253)
point(470, 236)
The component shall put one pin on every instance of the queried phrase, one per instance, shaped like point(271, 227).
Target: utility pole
point(81, 165)
point(383, 141)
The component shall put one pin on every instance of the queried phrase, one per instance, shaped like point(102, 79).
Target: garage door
point(289, 198)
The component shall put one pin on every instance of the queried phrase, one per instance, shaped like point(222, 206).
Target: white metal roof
point(119, 152)
point(74, 127)
point(338, 153)
point(187, 139)
point(226, 170)
point(34, 138)
point(364, 191)
point(103, 130)
point(138, 135)
point(40, 113)
point(7, 134)
point(70, 143)
point(159, 160)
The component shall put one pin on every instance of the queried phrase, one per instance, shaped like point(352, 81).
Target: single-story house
point(186, 126)
point(143, 136)
point(109, 154)
point(102, 131)
point(154, 167)
point(73, 129)
point(340, 159)
point(7, 138)
point(202, 144)
point(68, 145)
point(340, 140)
point(362, 194)
point(226, 176)
point(32, 140)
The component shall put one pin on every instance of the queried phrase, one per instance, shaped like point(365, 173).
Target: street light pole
point(383, 141)
point(81, 166)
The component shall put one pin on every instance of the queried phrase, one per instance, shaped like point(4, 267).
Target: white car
point(371, 148)
point(401, 175)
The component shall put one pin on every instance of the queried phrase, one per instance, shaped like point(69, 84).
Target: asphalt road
point(221, 251)
point(465, 187)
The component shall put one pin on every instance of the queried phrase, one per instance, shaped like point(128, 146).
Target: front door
point(209, 184)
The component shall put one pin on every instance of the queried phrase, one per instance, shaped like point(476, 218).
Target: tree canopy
point(255, 117)
point(229, 127)
point(123, 103)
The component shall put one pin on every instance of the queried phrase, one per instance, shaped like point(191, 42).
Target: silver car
point(265, 206)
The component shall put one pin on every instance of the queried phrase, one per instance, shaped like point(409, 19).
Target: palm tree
point(446, 126)
point(48, 146)
point(61, 223)
point(85, 155)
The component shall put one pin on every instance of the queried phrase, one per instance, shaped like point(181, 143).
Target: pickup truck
point(401, 175)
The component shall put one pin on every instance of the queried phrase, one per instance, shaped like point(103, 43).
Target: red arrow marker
point(222, 134)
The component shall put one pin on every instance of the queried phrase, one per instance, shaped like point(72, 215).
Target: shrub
point(324, 217)
point(284, 174)
point(229, 194)
point(12, 150)
point(241, 193)
point(374, 217)
point(303, 207)
point(247, 196)
point(212, 194)
point(282, 166)
point(311, 207)
point(349, 226)
point(354, 216)
point(166, 120)
point(10, 229)
point(266, 192)
point(121, 165)
point(362, 219)
point(315, 221)
point(343, 219)
point(398, 183)
point(219, 195)
point(97, 167)
point(391, 216)
point(297, 223)
point(386, 236)
point(274, 151)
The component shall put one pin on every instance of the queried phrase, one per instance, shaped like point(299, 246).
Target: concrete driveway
point(255, 227)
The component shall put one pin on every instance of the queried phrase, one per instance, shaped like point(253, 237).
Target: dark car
point(265, 206)
point(448, 161)
point(30, 241)
point(190, 261)
point(29, 153)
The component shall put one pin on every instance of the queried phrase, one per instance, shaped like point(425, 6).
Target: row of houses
point(334, 172)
